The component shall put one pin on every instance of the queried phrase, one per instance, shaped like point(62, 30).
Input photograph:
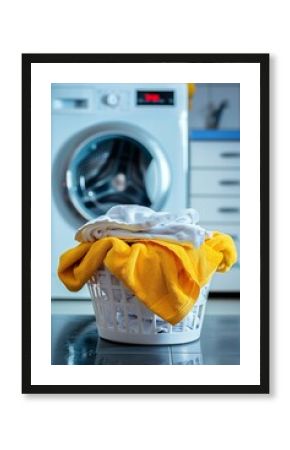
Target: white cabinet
point(214, 154)
point(216, 210)
point(214, 191)
point(219, 182)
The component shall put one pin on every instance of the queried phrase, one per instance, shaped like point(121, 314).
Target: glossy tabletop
point(75, 341)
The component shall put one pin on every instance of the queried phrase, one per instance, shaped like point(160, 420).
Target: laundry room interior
point(145, 223)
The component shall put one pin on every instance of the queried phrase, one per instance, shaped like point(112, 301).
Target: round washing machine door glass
point(119, 165)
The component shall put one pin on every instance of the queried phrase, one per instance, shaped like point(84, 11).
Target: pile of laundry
point(164, 259)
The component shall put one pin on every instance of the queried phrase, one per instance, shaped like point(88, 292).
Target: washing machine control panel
point(88, 99)
point(124, 100)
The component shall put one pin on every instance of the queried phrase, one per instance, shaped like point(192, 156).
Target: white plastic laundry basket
point(121, 317)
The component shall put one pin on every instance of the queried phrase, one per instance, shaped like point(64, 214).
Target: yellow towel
point(165, 276)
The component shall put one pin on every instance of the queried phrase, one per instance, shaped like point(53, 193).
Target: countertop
point(214, 135)
point(75, 341)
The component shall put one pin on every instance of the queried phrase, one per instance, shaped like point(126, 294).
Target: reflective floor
point(75, 341)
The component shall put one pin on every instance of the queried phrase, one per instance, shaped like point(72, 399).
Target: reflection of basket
point(121, 317)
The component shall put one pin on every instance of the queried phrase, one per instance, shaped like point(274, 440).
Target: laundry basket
point(121, 317)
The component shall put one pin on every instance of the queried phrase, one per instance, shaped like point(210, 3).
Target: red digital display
point(152, 97)
point(161, 98)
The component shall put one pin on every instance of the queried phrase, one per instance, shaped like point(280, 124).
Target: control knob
point(112, 99)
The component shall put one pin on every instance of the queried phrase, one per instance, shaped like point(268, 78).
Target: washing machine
point(112, 144)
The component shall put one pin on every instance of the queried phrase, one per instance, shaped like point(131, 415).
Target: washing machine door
point(116, 164)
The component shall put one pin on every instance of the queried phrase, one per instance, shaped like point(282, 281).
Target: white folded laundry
point(136, 218)
point(181, 233)
point(140, 222)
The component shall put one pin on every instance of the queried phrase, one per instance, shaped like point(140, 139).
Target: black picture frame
point(263, 61)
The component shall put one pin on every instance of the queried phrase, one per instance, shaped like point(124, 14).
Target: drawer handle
point(229, 182)
point(228, 210)
point(230, 155)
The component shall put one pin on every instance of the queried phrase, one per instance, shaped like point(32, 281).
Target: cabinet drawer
point(227, 281)
point(232, 230)
point(218, 182)
point(215, 154)
point(219, 210)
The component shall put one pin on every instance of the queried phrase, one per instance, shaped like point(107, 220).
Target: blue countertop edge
point(214, 135)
